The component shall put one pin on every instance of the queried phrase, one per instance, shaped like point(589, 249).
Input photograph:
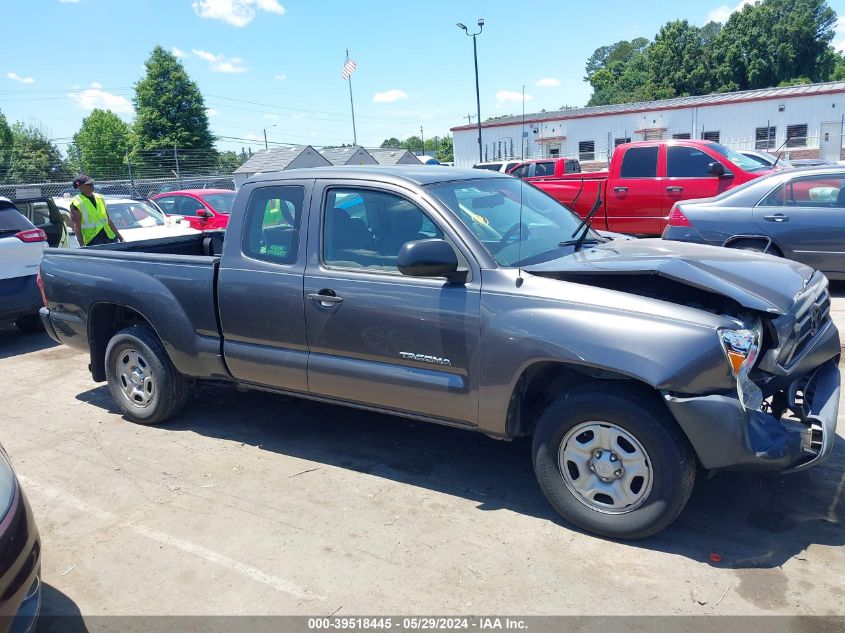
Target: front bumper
point(727, 437)
point(20, 568)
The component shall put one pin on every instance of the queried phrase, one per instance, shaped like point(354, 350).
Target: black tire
point(756, 246)
point(29, 324)
point(667, 452)
point(160, 391)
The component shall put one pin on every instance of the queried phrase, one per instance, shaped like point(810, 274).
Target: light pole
point(477, 95)
point(265, 136)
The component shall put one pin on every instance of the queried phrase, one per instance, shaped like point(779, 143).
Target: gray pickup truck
point(473, 299)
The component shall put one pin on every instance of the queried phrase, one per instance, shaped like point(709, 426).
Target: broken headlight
point(741, 349)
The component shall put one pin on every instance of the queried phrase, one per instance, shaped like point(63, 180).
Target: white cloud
point(252, 136)
point(506, 96)
point(279, 77)
point(272, 117)
point(547, 82)
point(178, 52)
point(96, 97)
point(238, 13)
point(17, 77)
point(389, 96)
point(212, 112)
point(722, 13)
point(839, 45)
point(220, 64)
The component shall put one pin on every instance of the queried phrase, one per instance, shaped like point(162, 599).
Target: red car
point(204, 208)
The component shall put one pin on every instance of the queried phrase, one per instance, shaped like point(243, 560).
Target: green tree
point(34, 157)
point(679, 59)
point(169, 112)
point(102, 143)
point(775, 41)
point(391, 142)
point(6, 144)
point(614, 57)
point(229, 161)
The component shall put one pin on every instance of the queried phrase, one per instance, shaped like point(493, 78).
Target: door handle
point(325, 297)
point(777, 217)
point(674, 189)
point(620, 189)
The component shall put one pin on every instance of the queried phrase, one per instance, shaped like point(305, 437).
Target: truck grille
point(809, 321)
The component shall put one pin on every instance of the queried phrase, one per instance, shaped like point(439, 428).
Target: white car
point(502, 166)
point(137, 219)
point(21, 246)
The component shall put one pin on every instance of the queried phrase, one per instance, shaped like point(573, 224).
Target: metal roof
point(665, 104)
point(275, 159)
point(342, 155)
point(390, 155)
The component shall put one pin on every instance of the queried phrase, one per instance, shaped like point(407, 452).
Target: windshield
point(134, 215)
point(220, 202)
point(490, 208)
point(743, 162)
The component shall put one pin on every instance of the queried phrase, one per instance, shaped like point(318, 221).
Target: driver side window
point(367, 229)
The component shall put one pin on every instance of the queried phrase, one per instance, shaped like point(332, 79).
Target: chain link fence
point(138, 174)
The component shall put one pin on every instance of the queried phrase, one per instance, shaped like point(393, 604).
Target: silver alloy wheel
point(137, 382)
point(605, 467)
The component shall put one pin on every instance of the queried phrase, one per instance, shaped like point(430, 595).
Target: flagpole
point(351, 104)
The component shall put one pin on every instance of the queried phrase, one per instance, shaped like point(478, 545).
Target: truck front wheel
point(142, 380)
point(613, 462)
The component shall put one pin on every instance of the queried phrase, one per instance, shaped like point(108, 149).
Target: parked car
point(502, 166)
point(137, 219)
point(201, 183)
point(799, 214)
point(646, 178)
point(20, 555)
point(21, 246)
point(811, 162)
point(46, 215)
point(471, 299)
point(538, 169)
point(765, 158)
point(203, 208)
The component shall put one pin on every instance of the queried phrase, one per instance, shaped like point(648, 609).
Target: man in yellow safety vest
point(88, 216)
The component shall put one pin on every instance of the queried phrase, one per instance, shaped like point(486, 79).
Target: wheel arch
point(105, 319)
point(542, 382)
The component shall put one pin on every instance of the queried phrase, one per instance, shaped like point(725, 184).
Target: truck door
point(260, 288)
point(806, 218)
point(376, 336)
point(687, 177)
point(635, 197)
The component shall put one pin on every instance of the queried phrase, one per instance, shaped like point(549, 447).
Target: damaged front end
point(783, 414)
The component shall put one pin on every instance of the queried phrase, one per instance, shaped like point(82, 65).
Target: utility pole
point(422, 138)
point(469, 118)
point(178, 171)
point(265, 140)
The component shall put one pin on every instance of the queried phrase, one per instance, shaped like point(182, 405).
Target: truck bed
point(579, 193)
point(168, 282)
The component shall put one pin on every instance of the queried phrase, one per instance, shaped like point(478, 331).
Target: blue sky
point(276, 64)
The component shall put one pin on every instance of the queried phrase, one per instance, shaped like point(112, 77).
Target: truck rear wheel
point(613, 462)
point(142, 380)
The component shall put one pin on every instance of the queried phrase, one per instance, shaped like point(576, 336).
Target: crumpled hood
point(756, 281)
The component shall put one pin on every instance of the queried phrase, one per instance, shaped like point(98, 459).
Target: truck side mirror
point(428, 258)
point(203, 213)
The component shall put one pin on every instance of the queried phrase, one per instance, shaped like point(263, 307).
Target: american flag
point(348, 68)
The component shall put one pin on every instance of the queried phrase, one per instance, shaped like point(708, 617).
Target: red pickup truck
point(646, 178)
point(544, 168)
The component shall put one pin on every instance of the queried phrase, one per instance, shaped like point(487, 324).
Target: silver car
point(798, 213)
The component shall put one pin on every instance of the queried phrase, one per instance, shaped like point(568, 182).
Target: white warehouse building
point(805, 121)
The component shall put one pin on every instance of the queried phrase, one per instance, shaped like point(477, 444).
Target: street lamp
point(477, 95)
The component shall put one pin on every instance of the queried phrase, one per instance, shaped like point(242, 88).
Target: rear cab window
point(271, 229)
